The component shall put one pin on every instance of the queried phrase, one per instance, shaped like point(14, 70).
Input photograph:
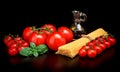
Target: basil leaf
point(42, 48)
point(44, 51)
point(26, 52)
point(35, 53)
point(32, 45)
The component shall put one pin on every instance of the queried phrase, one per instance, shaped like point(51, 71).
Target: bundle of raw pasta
point(71, 49)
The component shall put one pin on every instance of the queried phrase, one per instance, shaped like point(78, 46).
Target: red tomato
point(91, 43)
point(107, 44)
point(20, 48)
point(103, 46)
point(37, 37)
point(27, 32)
point(86, 47)
point(66, 32)
point(12, 51)
point(92, 53)
point(10, 43)
point(25, 44)
point(17, 38)
point(13, 45)
point(20, 41)
point(55, 40)
point(48, 29)
point(98, 49)
point(7, 38)
point(82, 52)
point(102, 40)
point(112, 40)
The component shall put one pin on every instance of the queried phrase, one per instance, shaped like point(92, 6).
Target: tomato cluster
point(48, 34)
point(97, 46)
point(15, 44)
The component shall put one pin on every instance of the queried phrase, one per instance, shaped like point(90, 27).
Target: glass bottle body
point(78, 30)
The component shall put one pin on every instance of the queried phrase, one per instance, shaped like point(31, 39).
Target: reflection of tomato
point(55, 40)
point(37, 37)
point(66, 32)
point(48, 28)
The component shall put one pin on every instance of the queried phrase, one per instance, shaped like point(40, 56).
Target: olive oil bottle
point(76, 27)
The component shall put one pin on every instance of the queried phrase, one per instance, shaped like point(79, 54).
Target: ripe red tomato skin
point(111, 40)
point(10, 42)
point(20, 48)
point(17, 38)
point(25, 44)
point(50, 27)
point(27, 32)
point(98, 49)
point(82, 52)
point(92, 53)
point(37, 38)
point(86, 47)
point(91, 43)
point(13, 45)
point(20, 41)
point(12, 51)
point(7, 38)
point(107, 44)
point(55, 40)
point(103, 46)
point(67, 33)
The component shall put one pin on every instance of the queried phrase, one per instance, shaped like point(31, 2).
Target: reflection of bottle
point(76, 27)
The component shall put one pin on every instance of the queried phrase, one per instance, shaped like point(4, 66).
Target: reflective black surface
point(15, 19)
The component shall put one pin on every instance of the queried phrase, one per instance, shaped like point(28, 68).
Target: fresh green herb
point(34, 50)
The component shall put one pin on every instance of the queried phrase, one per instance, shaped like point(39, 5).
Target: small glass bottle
point(77, 28)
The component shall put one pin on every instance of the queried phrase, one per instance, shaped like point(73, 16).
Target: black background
point(16, 16)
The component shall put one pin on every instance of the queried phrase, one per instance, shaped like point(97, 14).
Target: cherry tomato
point(55, 40)
point(91, 43)
point(86, 47)
point(10, 42)
point(82, 52)
point(48, 28)
point(37, 37)
point(103, 46)
point(12, 51)
point(25, 44)
point(20, 41)
point(92, 53)
point(66, 32)
point(107, 44)
point(27, 32)
point(20, 48)
point(17, 38)
point(112, 40)
point(100, 40)
point(7, 38)
point(98, 49)
point(13, 45)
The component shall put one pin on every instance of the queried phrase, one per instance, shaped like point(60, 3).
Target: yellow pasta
point(71, 49)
